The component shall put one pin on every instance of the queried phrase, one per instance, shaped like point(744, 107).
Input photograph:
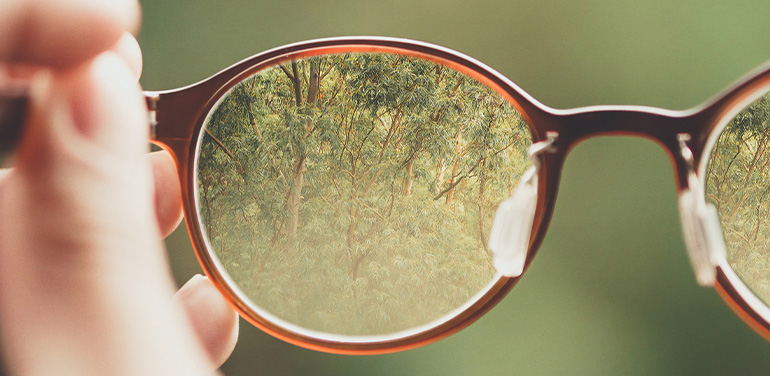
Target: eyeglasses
point(369, 195)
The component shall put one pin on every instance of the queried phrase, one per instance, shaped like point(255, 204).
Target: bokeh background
point(611, 291)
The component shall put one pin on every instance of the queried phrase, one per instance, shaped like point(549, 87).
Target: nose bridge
point(657, 125)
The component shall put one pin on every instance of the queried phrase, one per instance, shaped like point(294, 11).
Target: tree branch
point(286, 70)
point(454, 184)
point(219, 143)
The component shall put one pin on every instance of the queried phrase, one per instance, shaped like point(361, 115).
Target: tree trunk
point(450, 195)
point(352, 212)
point(355, 257)
point(295, 197)
point(297, 84)
point(482, 214)
point(314, 86)
point(294, 194)
point(409, 181)
point(440, 170)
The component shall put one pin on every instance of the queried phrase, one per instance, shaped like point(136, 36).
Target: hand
point(84, 283)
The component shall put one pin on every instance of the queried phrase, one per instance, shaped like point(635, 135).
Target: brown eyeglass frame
point(177, 118)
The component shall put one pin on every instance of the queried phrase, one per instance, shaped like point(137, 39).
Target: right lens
point(352, 193)
point(738, 183)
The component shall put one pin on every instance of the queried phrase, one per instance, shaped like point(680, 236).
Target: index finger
point(60, 33)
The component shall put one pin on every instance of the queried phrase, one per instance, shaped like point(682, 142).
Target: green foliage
point(738, 182)
point(353, 193)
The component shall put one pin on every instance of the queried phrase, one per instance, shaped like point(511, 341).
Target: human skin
point(85, 287)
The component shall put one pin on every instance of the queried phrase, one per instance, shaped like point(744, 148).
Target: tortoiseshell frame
point(177, 117)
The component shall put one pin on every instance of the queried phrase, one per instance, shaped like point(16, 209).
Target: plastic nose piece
point(512, 227)
point(702, 235)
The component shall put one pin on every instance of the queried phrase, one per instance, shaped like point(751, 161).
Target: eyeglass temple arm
point(700, 222)
point(152, 99)
point(14, 101)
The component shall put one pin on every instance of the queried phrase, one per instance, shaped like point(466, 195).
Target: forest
point(738, 183)
point(353, 193)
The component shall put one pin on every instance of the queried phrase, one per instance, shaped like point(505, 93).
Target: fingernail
point(128, 49)
point(195, 289)
point(195, 280)
point(128, 11)
point(199, 294)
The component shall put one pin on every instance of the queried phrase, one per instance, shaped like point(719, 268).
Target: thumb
point(84, 284)
point(81, 180)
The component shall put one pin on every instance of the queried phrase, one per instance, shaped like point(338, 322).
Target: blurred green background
point(611, 291)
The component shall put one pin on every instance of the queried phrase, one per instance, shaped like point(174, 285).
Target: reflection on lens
point(738, 182)
point(352, 194)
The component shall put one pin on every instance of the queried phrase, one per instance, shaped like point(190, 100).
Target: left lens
point(738, 183)
point(352, 194)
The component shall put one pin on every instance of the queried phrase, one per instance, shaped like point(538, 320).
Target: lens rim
point(208, 93)
point(733, 290)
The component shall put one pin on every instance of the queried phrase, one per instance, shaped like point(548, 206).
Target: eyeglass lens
point(353, 193)
point(738, 183)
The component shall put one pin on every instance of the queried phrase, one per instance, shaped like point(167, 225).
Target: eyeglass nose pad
point(512, 227)
point(702, 235)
